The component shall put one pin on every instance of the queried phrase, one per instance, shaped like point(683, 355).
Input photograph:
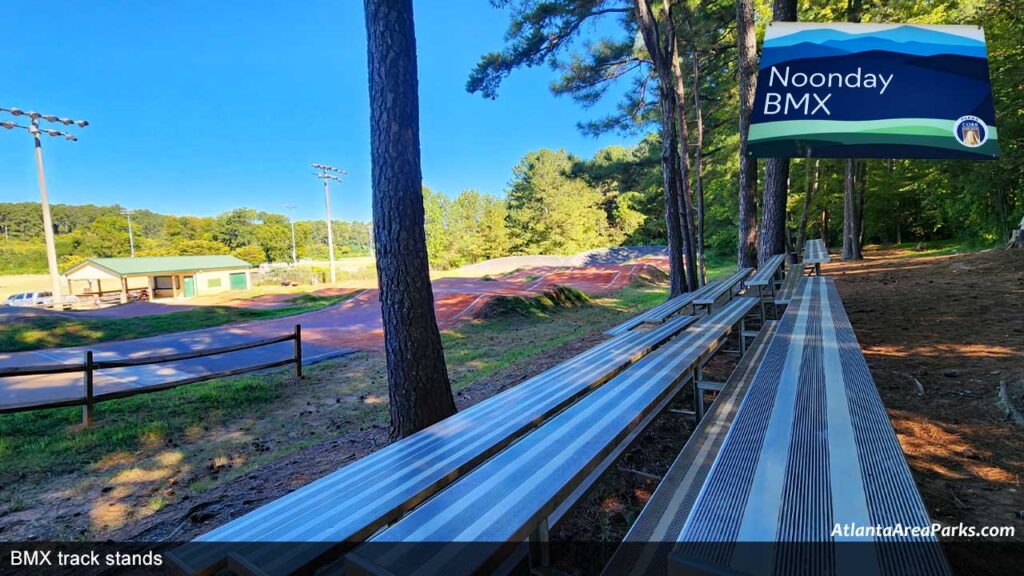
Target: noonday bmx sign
point(873, 91)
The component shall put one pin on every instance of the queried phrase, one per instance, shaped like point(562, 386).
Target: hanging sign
point(873, 91)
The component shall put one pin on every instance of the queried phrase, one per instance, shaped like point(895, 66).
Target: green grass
point(46, 442)
point(934, 248)
point(719, 266)
point(60, 331)
point(551, 299)
point(255, 419)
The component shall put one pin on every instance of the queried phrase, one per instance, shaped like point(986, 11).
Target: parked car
point(32, 299)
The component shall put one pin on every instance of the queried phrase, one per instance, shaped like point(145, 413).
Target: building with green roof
point(159, 276)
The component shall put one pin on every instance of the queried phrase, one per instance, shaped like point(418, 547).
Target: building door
point(190, 286)
point(238, 281)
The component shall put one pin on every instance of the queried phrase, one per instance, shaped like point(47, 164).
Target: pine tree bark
point(747, 44)
point(862, 198)
point(419, 389)
point(685, 192)
point(851, 224)
point(772, 236)
point(698, 158)
point(810, 191)
point(851, 208)
point(825, 219)
point(670, 161)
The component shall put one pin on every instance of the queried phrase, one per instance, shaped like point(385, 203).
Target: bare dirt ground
point(191, 517)
point(955, 324)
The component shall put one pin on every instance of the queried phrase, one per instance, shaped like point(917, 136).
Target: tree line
point(687, 71)
point(86, 231)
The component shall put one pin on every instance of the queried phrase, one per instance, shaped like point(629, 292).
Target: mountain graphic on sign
point(899, 34)
point(824, 43)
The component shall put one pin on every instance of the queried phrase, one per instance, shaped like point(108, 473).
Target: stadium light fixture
point(34, 129)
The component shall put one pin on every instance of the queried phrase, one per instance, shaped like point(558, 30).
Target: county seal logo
point(970, 131)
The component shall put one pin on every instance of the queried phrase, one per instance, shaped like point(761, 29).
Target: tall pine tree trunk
point(862, 198)
point(670, 161)
point(810, 191)
point(772, 237)
point(419, 390)
point(698, 157)
point(851, 208)
point(670, 178)
point(825, 228)
point(679, 90)
point(746, 39)
point(772, 234)
point(851, 223)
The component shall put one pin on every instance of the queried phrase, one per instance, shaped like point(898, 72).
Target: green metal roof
point(148, 265)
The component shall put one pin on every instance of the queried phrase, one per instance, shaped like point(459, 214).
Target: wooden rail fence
point(89, 367)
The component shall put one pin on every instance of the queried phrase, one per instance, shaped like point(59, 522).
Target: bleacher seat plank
point(660, 312)
point(724, 287)
point(811, 447)
point(815, 254)
point(785, 293)
point(339, 510)
point(467, 527)
point(766, 273)
point(644, 550)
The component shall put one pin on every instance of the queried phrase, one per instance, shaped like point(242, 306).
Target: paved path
point(354, 324)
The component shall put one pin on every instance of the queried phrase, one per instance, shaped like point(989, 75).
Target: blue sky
point(197, 107)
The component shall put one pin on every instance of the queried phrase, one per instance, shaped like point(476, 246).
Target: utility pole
point(131, 237)
point(328, 173)
point(289, 208)
point(34, 129)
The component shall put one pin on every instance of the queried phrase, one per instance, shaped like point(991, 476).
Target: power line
point(328, 173)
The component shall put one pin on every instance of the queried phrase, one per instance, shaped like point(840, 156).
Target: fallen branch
point(917, 383)
point(640, 474)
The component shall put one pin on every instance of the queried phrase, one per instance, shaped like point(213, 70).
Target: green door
point(238, 281)
point(190, 286)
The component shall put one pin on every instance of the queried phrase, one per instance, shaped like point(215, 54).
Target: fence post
point(87, 409)
point(298, 351)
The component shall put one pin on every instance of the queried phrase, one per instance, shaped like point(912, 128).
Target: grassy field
point(146, 451)
point(15, 283)
point(58, 331)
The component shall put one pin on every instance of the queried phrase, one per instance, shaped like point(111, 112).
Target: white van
point(30, 299)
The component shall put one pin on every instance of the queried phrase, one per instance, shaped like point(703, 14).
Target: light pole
point(34, 129)
point(131, 237)
point(328, 173)
point(289, 208)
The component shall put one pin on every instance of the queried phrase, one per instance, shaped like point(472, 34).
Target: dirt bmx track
point(354, 324)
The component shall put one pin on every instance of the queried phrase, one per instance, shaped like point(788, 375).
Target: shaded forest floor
point(955, 323)
point(942, 335)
